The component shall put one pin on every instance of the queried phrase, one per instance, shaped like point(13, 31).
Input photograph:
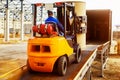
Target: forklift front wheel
point(78, 55)
point(62, 66)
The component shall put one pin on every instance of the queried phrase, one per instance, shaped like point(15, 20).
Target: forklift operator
point(54, 20)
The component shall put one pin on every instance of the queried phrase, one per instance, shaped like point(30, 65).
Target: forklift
point(50, 52)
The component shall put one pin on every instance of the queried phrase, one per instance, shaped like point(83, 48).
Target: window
point(46, 49)
point(35, 48)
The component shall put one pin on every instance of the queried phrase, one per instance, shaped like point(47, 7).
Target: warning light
point(58, 3)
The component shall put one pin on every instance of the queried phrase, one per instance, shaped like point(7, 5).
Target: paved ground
point(112, 71)
point(12, 56)
point(15, 51)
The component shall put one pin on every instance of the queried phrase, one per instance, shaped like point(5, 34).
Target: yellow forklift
point(49, 51)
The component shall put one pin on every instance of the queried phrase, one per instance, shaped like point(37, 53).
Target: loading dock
point(75, 71)
point(88, 56)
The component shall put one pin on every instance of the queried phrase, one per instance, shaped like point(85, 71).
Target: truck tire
point(62, 66)
point(78, 55)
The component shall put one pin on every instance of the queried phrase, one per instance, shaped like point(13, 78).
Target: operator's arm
point(60, 26)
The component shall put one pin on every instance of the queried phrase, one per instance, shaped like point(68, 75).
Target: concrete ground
point(12, 56)
point(112, 70)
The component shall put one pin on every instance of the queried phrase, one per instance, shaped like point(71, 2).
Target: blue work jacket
point(52, 19)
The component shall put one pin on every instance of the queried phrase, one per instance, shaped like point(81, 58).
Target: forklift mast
point(67, 16)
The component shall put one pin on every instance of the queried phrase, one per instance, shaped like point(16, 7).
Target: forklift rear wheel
point(62, 66)
point(78, 55)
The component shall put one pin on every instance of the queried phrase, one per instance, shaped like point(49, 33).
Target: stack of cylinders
point(80, 10)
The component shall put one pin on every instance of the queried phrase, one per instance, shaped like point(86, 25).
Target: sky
point(113, 5)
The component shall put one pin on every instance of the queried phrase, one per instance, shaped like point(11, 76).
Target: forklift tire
point(62, 66)
point(78, 55)
point(29, 68)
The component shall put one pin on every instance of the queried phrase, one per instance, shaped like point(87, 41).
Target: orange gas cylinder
point(35, 28)
point(43, 28)
point(47, 29)
point(51, 30)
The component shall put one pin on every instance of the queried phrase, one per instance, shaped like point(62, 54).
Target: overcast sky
point(114, 5)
